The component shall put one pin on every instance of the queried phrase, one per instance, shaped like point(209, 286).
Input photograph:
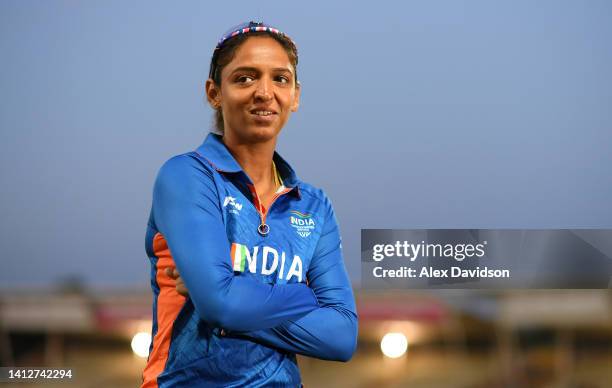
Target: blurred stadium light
point(479, 339)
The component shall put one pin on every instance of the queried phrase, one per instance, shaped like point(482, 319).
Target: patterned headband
point(241, 29)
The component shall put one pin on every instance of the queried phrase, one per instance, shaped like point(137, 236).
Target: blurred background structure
point(542, 338)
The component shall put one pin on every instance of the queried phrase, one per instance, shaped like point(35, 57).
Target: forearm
point(246, 304)
point(328, 333)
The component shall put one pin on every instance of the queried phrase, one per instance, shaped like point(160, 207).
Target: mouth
point(262, 112)
point(263, 115)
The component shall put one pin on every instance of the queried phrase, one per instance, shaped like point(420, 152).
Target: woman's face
point(258, 91)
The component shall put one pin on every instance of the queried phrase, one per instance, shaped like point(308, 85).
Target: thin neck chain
point(278, 181)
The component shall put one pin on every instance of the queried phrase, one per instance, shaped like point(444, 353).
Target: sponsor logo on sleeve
point(230, 201)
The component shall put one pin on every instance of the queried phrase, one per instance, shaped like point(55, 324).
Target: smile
point(262, 112)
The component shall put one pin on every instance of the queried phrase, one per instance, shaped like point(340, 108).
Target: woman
point(257, 249)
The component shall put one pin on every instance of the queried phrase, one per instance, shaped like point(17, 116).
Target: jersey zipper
point(263, 228)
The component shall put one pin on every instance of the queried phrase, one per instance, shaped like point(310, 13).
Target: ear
point(296, 100)
point(213, 94)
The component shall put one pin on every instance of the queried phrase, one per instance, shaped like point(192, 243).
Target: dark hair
point(224, 55)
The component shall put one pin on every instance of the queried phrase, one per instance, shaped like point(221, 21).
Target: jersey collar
point(214, 150)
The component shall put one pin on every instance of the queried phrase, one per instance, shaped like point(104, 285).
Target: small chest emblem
point(230, 201)
point(302, 222)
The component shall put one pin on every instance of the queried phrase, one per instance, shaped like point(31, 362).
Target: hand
point(173, 273)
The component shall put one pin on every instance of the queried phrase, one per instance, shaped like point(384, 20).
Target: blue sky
point(414, 114)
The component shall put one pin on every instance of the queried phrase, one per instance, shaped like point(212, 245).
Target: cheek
point(234, 101)
point(286, 100)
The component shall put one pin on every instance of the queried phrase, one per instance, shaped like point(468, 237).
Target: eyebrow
point(256, 70)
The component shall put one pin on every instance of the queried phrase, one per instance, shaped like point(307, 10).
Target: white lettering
point(227, 201)
point(269, 271)
point(296, 268)
point(252, 260)
point(377, 252)
point(415, 252)
point(282, 267)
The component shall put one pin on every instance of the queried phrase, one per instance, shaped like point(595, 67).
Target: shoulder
point(185, 169)
point(325, 215)
point(184, 163)
point(316, 195)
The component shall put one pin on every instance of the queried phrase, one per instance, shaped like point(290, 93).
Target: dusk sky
point(430, 114)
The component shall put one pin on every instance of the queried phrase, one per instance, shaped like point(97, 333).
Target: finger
point(170, 273)
point(181, 289)
point(183, 292)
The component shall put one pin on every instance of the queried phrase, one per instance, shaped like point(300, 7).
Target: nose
point(264, 89)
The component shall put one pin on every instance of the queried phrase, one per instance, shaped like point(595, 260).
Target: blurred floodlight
point(394, 345)
point(140, 344)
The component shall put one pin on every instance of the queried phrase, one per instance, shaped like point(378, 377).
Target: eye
point(282, 79)
point(244, 79)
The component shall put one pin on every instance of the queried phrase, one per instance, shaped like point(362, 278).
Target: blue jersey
point(255, 299)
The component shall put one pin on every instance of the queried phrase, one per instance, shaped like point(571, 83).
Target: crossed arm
point(288, 317)
point(330, 331)
point(186, 211)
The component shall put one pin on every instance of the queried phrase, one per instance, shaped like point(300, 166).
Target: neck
point(255, 160)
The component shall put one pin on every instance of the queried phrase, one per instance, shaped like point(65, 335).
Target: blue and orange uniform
point(264, 284)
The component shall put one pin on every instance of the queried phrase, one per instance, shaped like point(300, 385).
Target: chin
point(259, 133)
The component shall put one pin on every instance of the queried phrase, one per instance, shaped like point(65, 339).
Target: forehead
point(260, 51)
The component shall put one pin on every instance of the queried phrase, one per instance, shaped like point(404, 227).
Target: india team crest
point(302, 222)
